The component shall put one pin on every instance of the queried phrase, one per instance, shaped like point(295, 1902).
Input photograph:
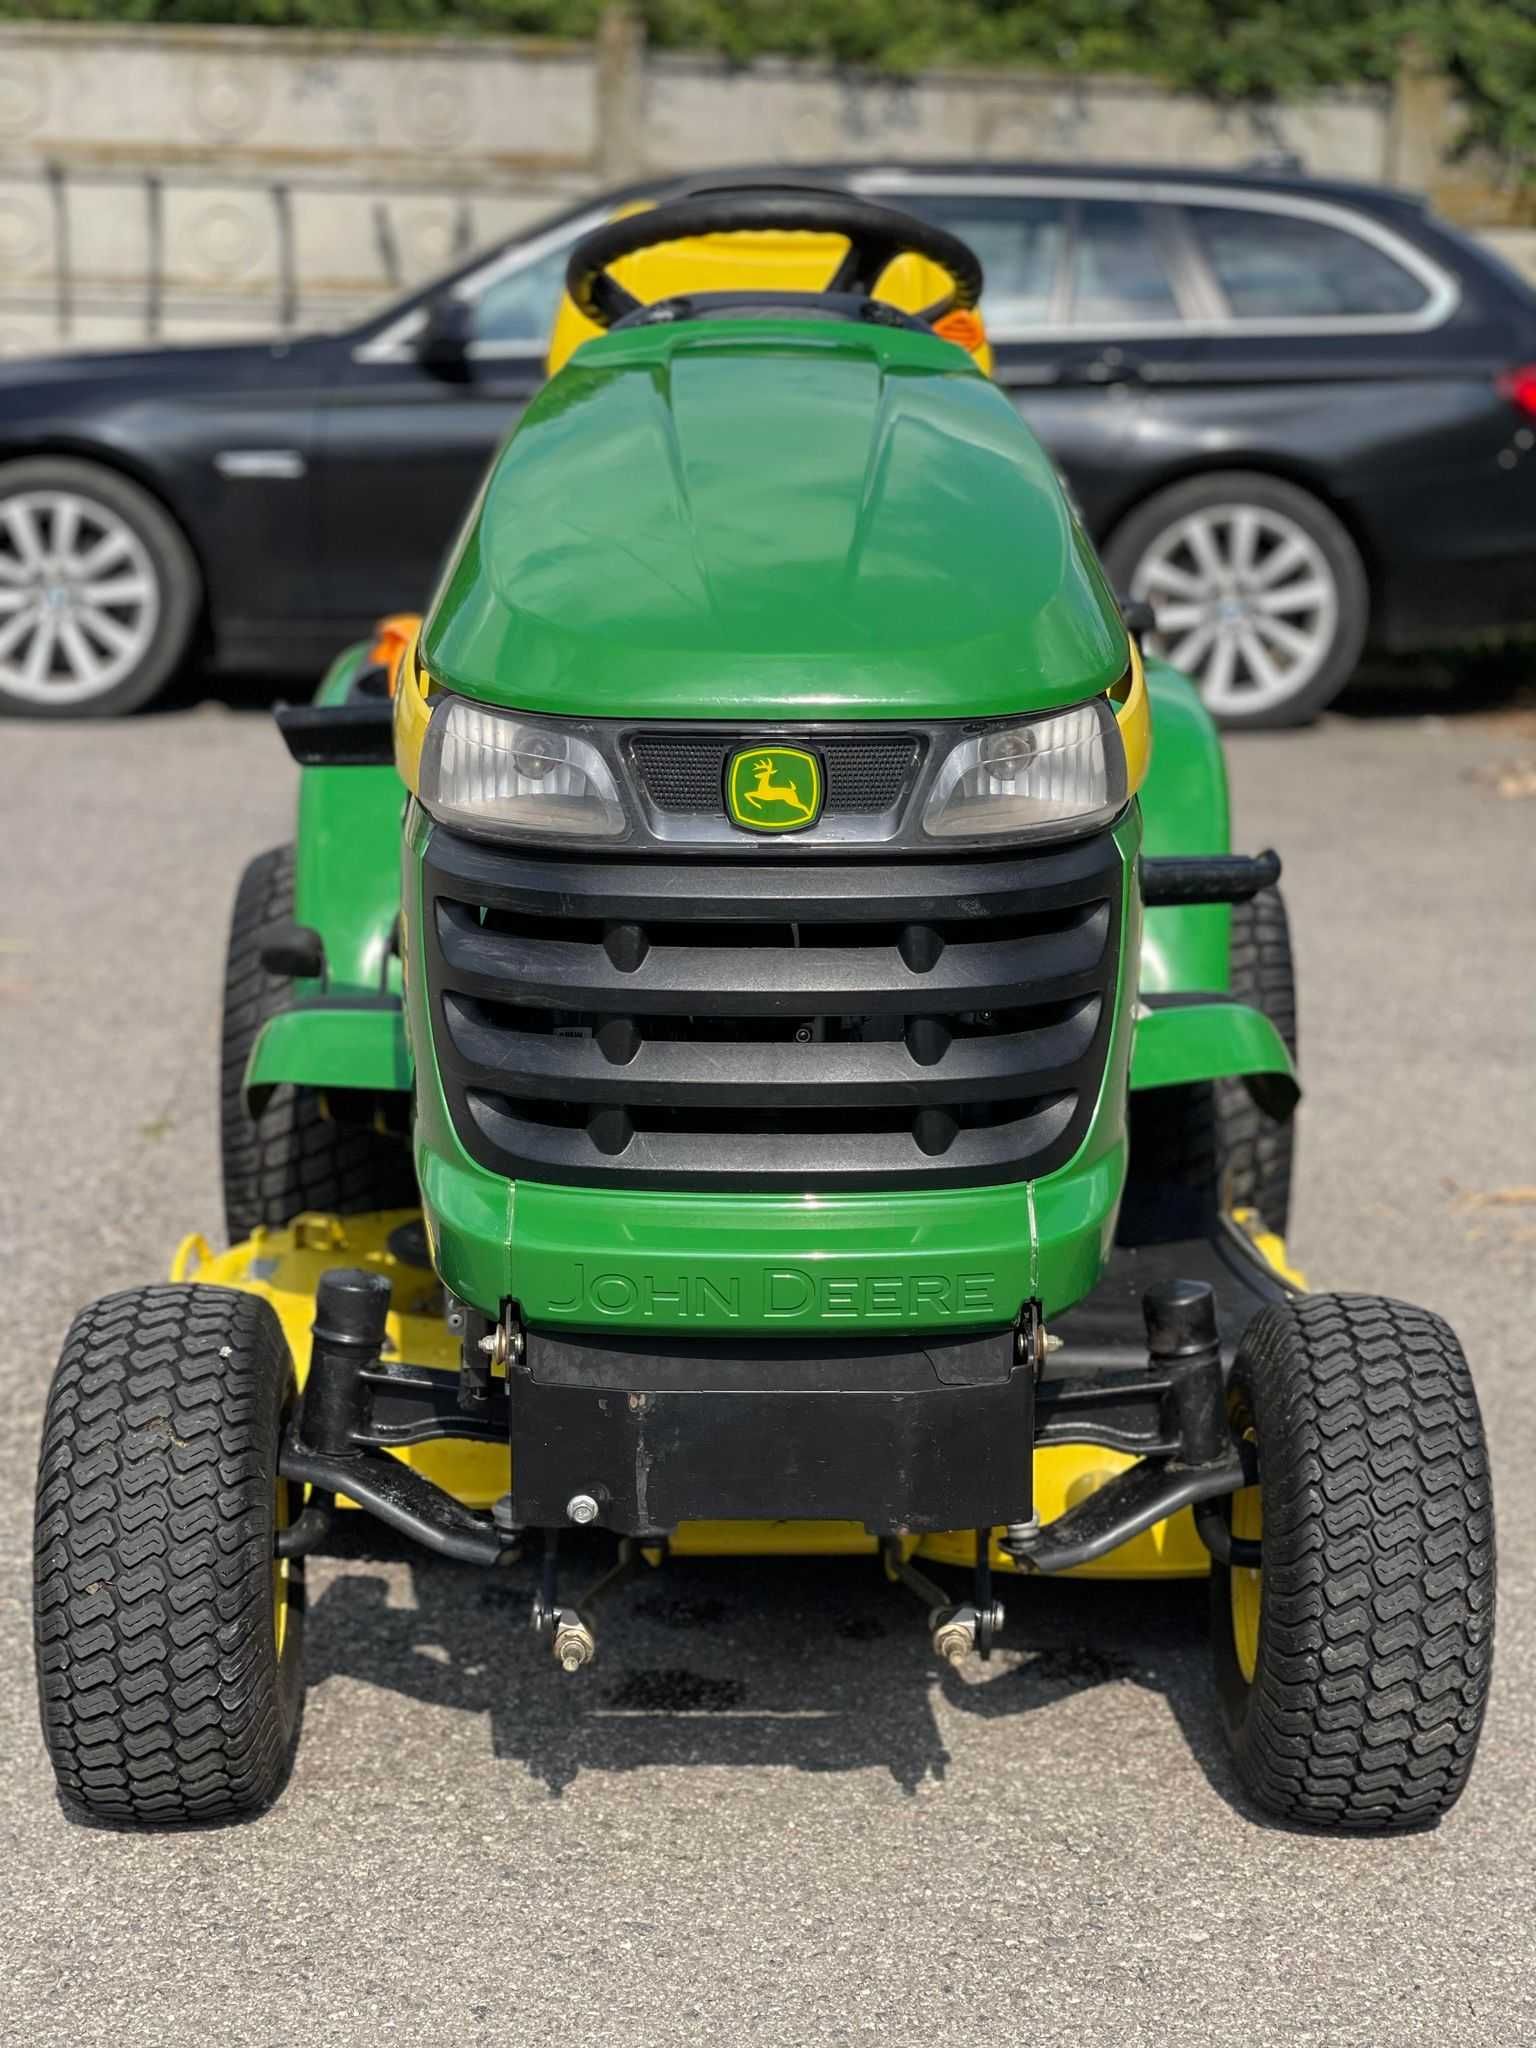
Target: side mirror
point(1138, 615)
point(442, 341)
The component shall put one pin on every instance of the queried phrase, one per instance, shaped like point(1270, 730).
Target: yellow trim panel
point(1133, 715)
point(413, 687)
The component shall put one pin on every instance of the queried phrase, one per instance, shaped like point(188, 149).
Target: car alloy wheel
point(1246, 602)
point(79, 598)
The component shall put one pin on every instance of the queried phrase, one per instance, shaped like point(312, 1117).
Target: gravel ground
point(765, 1818)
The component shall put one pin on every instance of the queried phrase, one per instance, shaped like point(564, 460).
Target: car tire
point(1352, 1665)
point(293, 1156)
point(169, 1635)
point(1258, 1151)
point(1260, 593)
point(74, 644)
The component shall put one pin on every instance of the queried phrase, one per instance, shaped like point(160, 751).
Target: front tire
point(169, 1636)
point(99, 591)
point(1260, 593)
point(1353, 1666)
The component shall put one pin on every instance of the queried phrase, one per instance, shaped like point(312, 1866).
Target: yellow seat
point(771, 260)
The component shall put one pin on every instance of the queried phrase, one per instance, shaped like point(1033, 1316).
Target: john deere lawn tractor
point(756, 1049)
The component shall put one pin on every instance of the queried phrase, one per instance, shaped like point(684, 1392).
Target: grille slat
point(782, 889)
point(787, 1157)
point(800, 1025)
point(741, 979)
point(765, 1073)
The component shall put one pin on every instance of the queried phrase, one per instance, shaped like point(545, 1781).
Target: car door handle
point(1104, 366)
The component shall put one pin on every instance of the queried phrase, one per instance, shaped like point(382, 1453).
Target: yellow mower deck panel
point(284, 1267)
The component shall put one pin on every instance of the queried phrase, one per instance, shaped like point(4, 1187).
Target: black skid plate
point(926, 1437)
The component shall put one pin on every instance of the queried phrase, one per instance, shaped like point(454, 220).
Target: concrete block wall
point(189, 183)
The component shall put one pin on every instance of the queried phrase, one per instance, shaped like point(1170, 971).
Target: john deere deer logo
point(773, 789)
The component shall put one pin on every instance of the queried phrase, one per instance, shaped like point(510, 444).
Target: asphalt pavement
point(765, 1817)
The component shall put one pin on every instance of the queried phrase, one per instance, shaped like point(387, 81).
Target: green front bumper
point(842, 1264)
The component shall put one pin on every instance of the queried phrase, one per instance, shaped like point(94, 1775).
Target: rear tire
point(1257, 1152)
point(169, 1639)
point(1353, 1669)
point(1261, 595)
point(293, 1156)
point(1173, 1183)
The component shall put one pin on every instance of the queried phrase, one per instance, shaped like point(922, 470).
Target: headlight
point(492, 771)
point(1067, 769)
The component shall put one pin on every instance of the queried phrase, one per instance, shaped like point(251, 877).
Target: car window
point(518, 309)
point(1118, 272)
point(1285, 266)
point(1019, 241)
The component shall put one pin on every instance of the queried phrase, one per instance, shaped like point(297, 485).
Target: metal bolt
point(502, 1345)
point(581, 1508)
point(1019, 1539)
point(954, 1640)
point(1033, 1342)
point(574, 1644)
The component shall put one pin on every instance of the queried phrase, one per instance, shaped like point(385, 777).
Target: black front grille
point(807, 1026)
point(684, 773)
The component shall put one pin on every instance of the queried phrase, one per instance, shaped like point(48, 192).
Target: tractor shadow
point(816, 1666)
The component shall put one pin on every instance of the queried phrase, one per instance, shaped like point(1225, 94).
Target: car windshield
point(516, 306)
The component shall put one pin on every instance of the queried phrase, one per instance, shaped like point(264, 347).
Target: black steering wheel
point(875, 236)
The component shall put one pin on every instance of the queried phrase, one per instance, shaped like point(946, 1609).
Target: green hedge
point(1229, 49)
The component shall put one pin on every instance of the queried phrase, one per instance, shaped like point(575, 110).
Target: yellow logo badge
point(773, 789)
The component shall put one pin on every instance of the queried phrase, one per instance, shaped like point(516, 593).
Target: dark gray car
point(1295, 416)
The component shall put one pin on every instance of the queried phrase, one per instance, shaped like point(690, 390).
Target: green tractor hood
point(773, 518)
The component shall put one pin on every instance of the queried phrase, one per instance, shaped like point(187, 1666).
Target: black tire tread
point(1258, 1151)
point(293, 1157)
point(161, 1694)
point(1173, 1133)
point(1376, 1632)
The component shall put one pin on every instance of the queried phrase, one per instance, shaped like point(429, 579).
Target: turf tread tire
point(163, 1699)
point(292, 1157)
point(1171, 1183)
point(1173, 1132)
point(1376, 1624)
point(1257, 1151)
